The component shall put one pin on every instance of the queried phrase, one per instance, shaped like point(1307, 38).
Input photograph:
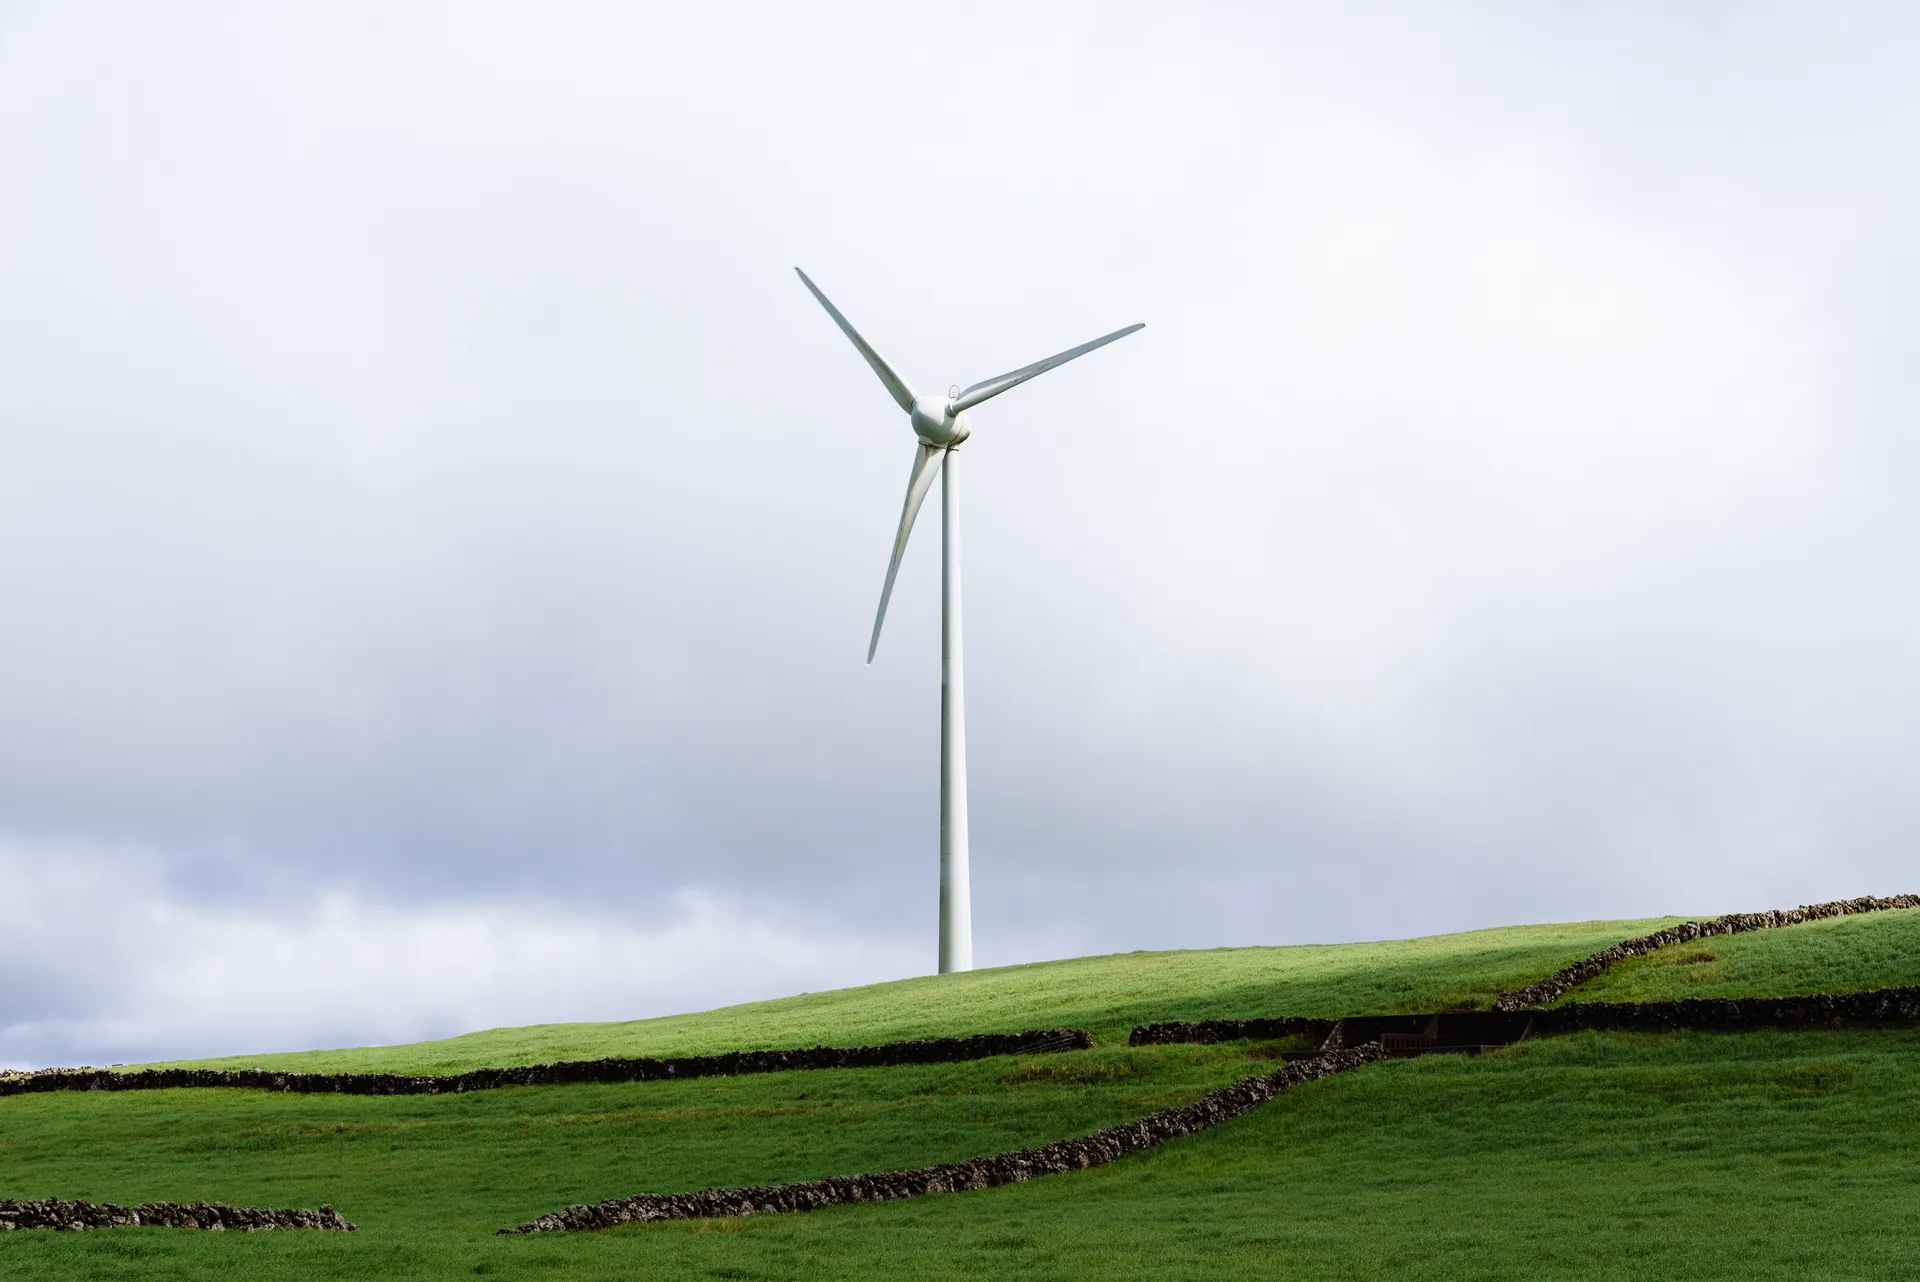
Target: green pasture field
point(1106, 995)
point(1757, 1155)
point(1872, 950)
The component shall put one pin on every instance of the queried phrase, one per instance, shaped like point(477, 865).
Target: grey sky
point(436, 528)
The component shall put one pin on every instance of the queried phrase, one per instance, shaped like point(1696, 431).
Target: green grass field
point(1107, 995)
point(1874, 950)
point(1592, 1156)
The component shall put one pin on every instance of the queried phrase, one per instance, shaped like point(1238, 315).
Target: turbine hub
point(935, 423)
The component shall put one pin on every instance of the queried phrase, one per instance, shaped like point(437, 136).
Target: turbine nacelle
point(940, 424)
point(935, 423)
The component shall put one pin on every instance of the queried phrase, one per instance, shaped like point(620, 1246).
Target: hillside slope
point(1758, 1155)
point(1875, 950)
point(1106, 995)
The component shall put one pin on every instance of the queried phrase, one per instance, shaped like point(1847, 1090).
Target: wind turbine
point(941, 425)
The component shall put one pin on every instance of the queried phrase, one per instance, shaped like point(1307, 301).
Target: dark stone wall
point(1431, 1030)
point(52, 1213)
point(1738, 1014)
point(1700, 1014)
point(1013, 1167)
point(938, 1050)
point(1175, 1032)
point(1558, 984)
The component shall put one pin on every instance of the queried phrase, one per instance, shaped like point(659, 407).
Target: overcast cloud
point(438, 535)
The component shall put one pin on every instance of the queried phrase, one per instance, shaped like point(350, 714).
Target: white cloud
point(105, 964)
point(423, 470)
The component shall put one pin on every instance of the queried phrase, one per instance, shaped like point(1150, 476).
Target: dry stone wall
point(53, 1213)
point(1208, 1031)
point(1699, 1014)
point(1737, 1014)
point(938, 1050)
point(1013, 1167)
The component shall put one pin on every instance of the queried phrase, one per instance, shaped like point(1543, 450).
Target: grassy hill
point(1591, 1156)
point(1876, 950)
point(1106, 995)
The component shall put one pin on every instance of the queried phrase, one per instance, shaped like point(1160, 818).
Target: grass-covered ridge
point(1107, 995)
point(1594, 1155)
point(1765, 1155)
point(472, 1163)
point(1840, 954)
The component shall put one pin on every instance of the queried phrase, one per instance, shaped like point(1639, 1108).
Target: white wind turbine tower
point(941, 425)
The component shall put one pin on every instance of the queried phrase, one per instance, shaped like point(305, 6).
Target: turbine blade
point(994, 386)
point(902, 394)
point(926, 463)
